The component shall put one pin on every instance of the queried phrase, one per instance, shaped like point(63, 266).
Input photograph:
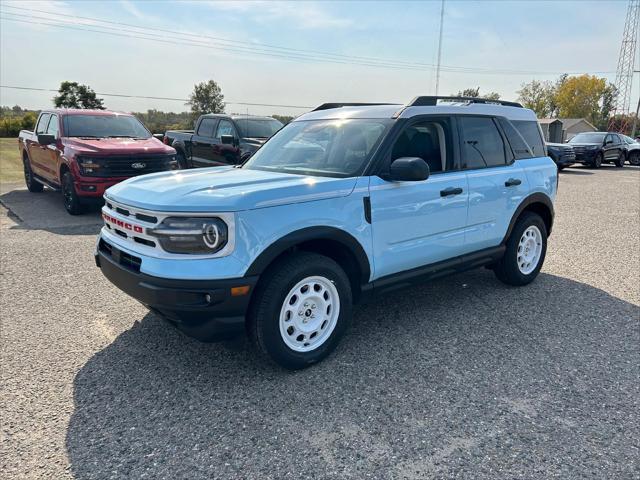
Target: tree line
point(580, 96)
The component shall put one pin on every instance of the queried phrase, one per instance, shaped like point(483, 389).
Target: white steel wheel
point(309, 314)
point(529, 250)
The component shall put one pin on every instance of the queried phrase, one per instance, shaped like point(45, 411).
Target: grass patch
point(10, 162)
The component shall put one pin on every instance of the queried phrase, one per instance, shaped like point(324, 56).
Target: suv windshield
point(257, 128)
point(102, 126)
point(588, 138)
point(332, 148)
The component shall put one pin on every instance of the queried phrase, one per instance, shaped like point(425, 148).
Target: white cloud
point(302, 14)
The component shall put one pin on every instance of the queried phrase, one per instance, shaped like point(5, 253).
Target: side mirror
point(228, 139)
point(409, 169)
point(46, 139)
point(608, 142)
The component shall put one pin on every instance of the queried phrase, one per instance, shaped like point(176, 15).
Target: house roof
point(567, 122)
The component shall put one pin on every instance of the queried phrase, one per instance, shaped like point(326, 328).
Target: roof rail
point(430, 101)
point(327, 106)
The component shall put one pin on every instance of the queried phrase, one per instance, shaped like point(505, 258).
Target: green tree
point(539, 97)
point(475, 92)
point(74, 95)
point(207, 97)
point(585, 96)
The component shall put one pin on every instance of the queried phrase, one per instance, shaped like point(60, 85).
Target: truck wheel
point(301, 309)
point(71, 200)
point(32, 184)
point(597, 162)
point(182, 161)
point(526, 249)
point(620, 160)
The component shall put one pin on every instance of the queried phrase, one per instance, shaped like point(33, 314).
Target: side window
point(482, 144)
point(430, 140)
point(225, 127)
point(205, 129)
point(530, 131)
point(42, 123)
point(521, 150)
point(52, 129)
point(609, 138)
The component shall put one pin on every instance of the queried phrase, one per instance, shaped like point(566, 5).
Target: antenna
point(624, 73)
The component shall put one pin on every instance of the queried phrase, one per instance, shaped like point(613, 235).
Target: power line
point(285, 53)
point(146, 97)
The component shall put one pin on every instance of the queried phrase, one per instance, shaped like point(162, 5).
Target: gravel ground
point(460, 378)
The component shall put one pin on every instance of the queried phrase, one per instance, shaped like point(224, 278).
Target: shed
point(551, 129)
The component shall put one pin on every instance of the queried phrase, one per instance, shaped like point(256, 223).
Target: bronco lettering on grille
point(122, 224)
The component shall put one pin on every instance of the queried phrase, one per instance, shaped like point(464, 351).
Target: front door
point(35, 151)
point(423, 222)
point(224, 153)
point(612, 147)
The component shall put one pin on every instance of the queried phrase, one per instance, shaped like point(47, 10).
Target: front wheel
point(71, 200)
point(634, 159)
point(597, 161)
point(525, 253)
point(301, 309)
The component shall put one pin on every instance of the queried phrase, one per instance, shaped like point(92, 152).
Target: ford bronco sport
point(346, 200)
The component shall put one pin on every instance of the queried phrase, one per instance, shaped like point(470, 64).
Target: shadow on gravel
point(458, 377)
point(45, 211)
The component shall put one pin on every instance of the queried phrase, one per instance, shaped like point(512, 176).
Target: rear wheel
point(32, 184)
point(301, 309)
point(525, 253)
point(620, 160)
point(71, 200)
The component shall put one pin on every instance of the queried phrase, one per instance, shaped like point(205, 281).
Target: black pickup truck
point(221, 139)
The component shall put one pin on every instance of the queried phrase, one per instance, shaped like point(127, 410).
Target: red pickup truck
point(84, 152)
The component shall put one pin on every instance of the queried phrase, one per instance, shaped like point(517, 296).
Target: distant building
point(560, 130)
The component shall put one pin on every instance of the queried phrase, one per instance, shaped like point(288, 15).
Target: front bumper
point(586, 157)
point(203, 309)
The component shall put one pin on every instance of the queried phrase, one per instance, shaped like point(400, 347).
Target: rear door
point(36, 152)
point(611, 148)
point(422, 222)
point(203, 142)
point(497, 183)
point(50, 153)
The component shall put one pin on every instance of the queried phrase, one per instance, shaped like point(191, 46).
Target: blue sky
point(536, 37)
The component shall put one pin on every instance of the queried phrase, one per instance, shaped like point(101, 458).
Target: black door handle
point(450, 191)
point(512, 182)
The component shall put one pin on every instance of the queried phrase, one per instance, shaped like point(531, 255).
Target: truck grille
point(125, 165)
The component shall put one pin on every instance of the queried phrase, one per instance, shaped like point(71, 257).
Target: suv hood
point(117, 145)
point(224, 189)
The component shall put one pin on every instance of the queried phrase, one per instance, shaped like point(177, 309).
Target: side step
point(46, 183)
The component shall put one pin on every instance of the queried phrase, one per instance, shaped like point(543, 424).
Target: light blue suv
point(345, 201)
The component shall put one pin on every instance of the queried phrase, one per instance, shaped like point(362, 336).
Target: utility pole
point(439, 47)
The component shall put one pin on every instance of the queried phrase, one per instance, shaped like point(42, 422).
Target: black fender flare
point(303, 235)
point(534, 198)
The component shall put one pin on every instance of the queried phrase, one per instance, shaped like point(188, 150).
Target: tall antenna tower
point(626, 64)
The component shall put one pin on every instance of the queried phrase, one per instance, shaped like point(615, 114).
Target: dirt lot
point(460, 378)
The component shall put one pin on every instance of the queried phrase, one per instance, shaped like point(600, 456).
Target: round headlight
point(210, 235)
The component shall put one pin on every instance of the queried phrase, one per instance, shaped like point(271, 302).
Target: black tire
point(72, 203)
point(561, 168)
point(507, 269)
point(634, 158)
point(263, 319)
point(32, 184)
point(620, 160)
point(182, 160)
point(597, 161)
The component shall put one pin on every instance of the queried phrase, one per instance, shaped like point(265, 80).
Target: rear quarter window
point(530, 131)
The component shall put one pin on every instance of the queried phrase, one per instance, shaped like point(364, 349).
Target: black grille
point(146, 218)
point(122, 166)
point(128, 261)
